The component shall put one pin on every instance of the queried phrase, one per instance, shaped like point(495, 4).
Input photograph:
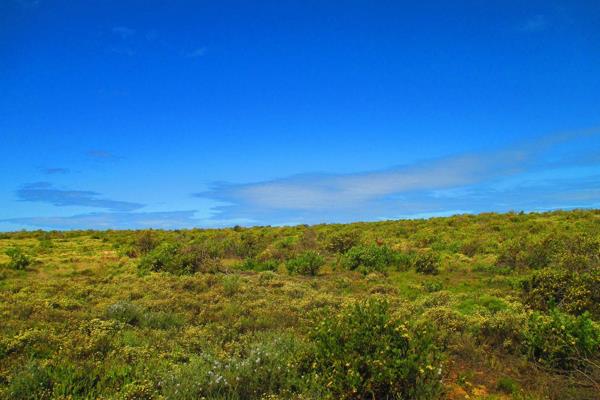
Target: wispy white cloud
point(44, 192)
point(322, 191)
point(464, 182)
point(557, 171)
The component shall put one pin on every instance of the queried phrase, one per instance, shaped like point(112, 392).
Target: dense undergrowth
point(489, 306)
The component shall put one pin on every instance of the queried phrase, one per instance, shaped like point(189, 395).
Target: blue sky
point(136, 114)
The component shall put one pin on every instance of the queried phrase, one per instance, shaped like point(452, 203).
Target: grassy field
point(494, 306)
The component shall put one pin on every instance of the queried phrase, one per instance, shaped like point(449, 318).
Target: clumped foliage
point(343, 241)
point(573, 292)
point(427, 263)
point(524, 253)
point(18, 259)
point(178, 259)
point(364, 352)
point(367, 259)
point(307, 263)
point(252, 264)
point(562, 341)
point(505, 304)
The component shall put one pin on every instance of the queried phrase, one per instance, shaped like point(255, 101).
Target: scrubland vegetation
point(494, 306)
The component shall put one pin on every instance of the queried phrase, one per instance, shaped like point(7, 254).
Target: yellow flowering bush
point(363, 352)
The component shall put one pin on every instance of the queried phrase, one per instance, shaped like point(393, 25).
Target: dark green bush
point(372, 258)
point(18, 259)
point(560, 340)
point(427, 263)
point(364, 353)
point(178, 259)
point(307, 263)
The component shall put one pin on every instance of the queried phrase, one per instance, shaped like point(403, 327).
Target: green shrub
point(502, 329)
point(575, 252)
point(160, 259)
point(18, 259)
point(560, 340)
point(372, 258)
point(178, 259)
point(524, 252)
point(573, 292)
point(363, 352)
point(427, 263)
point(341, 242)
point(33, 382)
point(432, 286)
point(252, 264)
point(231, 284)
point(307, 263)
point(578, 253)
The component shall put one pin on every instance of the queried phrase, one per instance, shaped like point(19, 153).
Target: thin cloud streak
point(44, 192)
